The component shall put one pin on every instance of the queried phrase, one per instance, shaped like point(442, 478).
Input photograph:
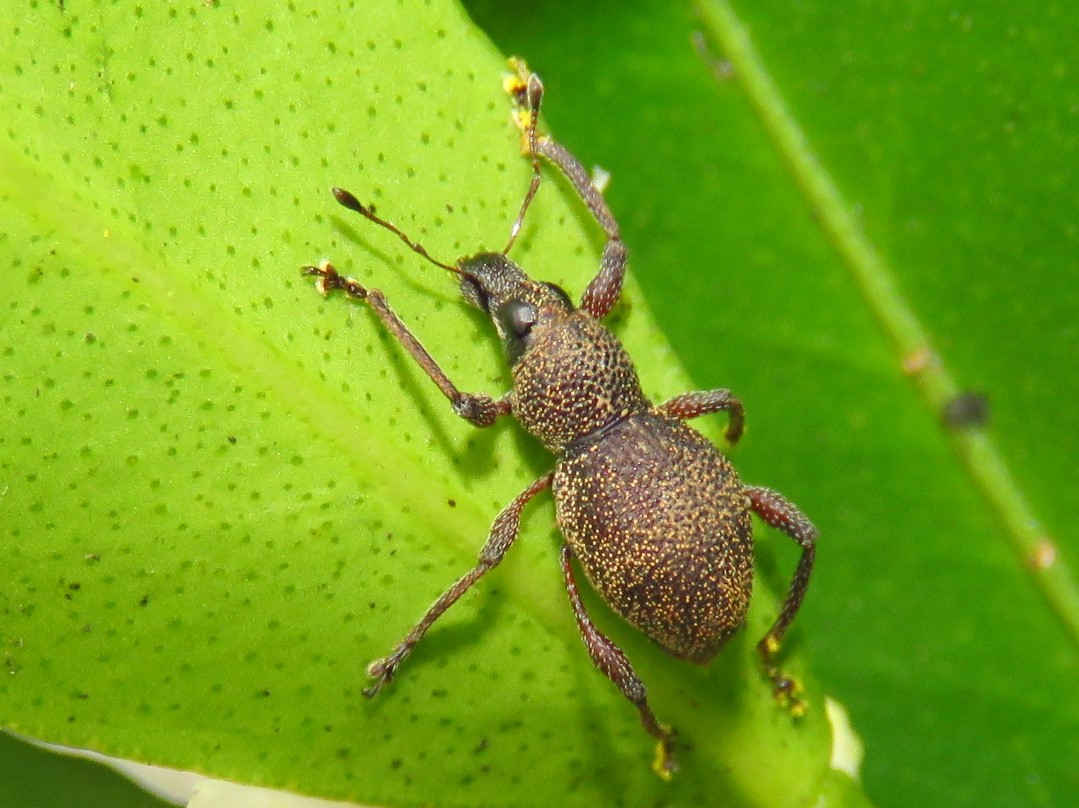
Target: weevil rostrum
point(652, 512)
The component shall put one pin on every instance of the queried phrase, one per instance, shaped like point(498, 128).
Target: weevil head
point(520, 307)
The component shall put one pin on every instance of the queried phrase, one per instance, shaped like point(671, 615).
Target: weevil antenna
point(532, 97)
point(348, 200)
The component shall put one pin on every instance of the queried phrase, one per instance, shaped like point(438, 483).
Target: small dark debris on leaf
point(967, 409)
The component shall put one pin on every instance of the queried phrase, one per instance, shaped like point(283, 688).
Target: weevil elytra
point(654, 514)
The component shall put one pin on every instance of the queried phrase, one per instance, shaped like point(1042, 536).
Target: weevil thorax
point(571, 378)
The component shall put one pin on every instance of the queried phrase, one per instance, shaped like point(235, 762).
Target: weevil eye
point(516, 318)
point(560, 293)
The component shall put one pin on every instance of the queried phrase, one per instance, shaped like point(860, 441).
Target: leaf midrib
point(978, 453)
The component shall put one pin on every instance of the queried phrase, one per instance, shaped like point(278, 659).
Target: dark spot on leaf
point(967, 409)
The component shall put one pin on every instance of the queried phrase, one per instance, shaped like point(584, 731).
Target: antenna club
point(346, 199)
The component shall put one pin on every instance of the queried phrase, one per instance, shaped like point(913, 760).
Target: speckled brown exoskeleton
point(653, 512)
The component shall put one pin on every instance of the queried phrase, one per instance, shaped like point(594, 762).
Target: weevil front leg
point(503, 534)
point(475, 408)
point(777, 512)
point(704, 402)
point(526, 90)
point(610, 659)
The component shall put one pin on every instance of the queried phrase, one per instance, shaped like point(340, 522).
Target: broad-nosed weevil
point(654, 514)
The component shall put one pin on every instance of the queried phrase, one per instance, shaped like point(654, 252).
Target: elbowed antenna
point(526, 89)
point(348, 200)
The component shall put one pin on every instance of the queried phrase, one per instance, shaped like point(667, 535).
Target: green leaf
point(223, 496)
point(34, 778)
point(942, 610)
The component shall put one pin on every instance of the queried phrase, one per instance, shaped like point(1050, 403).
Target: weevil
point(652, 512)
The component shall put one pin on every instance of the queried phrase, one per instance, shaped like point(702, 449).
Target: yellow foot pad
point(663, 764)
point(787, 692)
point(526, 90)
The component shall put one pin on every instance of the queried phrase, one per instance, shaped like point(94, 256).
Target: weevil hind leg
point(526, 90)
point(611, 660)
point(504, 532)
point(776, 511)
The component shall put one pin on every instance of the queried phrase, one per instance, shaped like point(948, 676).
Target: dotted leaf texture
point(950, 130)
point(221, 495)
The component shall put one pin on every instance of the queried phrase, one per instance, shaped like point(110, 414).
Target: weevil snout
point(517, 304)
point(488, 279)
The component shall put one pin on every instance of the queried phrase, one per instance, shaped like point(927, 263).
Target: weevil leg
point(703, 402)
point(777, 512)
point(503, 534)
point(526, 90)
point(603, 290)
point(475, 408)
point(610, 659)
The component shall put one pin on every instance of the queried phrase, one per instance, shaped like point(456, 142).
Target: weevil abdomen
point(657, 518)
